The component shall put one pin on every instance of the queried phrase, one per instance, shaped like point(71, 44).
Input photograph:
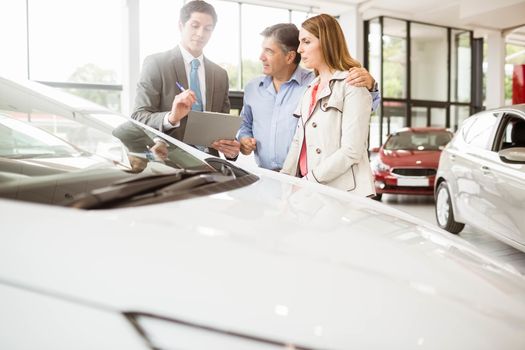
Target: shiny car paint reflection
point(486, 189)
point(276, 263)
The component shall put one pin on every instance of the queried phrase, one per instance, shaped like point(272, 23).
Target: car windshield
point(22, 141)
point(58, 155)
point(418, 141)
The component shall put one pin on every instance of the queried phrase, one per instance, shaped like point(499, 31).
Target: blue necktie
point(195, 86)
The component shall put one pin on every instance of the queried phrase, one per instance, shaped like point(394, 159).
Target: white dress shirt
point(188, 57)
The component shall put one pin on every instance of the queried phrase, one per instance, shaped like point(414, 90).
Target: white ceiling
point(481, 15)
point(473, 14)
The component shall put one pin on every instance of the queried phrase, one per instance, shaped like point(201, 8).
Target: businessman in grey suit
point(203, 85)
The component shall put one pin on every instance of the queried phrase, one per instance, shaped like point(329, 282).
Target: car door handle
point(452, 157)
point(485, 169)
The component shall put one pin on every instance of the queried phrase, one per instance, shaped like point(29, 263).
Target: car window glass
point(419, 140)
point(512, 133)
point(48, 157)
point(19, 140)
point(505, 140)
point(478, 135)
point(105, 141)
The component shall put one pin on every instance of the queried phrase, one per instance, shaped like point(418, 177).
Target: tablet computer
point(203, 128)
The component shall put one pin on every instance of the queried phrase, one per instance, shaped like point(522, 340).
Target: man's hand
point(360, 77)
point(248, 145)
point(160, 150)
point(181, 106)
point(230, 148)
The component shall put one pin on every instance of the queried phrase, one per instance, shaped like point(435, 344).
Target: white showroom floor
point(423, 208)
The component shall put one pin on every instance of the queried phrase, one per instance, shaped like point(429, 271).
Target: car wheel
point(444, 212)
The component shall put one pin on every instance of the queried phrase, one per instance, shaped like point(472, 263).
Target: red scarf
point(303, 163)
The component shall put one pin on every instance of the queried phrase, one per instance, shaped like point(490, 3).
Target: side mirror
point(513, 155)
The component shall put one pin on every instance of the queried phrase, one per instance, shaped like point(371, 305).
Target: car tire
point(444, 212)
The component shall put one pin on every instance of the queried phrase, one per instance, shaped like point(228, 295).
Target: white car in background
point(168, 248)
point(481, 176)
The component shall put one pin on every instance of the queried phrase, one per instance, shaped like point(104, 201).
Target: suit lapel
point(210, 78)
point(179, 68)
point(179, 72)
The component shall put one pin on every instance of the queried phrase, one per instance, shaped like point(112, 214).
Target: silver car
point(481, 176)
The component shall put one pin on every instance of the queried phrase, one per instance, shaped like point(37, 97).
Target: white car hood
point(293, 263)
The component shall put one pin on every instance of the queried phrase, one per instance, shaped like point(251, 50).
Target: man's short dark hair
point(287, 35)
point(197, 6)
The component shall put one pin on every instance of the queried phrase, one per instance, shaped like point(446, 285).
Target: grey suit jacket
point(156, 89)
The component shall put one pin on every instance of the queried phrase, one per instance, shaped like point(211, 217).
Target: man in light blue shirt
point(268, 124)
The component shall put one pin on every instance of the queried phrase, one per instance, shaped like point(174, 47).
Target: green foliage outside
point(91, 73)
point(394, 67)
point(251, 69)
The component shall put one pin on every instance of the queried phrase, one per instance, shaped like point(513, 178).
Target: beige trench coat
point(336, 137)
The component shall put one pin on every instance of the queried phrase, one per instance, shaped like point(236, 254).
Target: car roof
point(520, 108)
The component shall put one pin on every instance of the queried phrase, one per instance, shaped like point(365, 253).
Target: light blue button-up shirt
point(267, 115)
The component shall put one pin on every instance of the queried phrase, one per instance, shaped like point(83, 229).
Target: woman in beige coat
point(330, 142)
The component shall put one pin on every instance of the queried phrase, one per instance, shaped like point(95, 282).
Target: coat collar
point(337, 76)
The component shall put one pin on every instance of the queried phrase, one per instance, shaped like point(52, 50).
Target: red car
point(408, 160)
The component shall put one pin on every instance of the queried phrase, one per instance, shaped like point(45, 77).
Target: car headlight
point(379, 166)
point(166, 333)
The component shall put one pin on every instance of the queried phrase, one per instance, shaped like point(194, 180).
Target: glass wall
point(457, 115)
point(374, 48)
point(424, 73)
point(254, 20)
point(226, 52)
point(78, 47)
point(73, 43)
point(428, 59)
point(394, 58)
point(159, 29)
point(238, 53)
point(13, 60)
point(460, 66)
point(419, 116)
point(374, 67)
point(298, 17)
point(438, 117)
point(78, 43)
point(394, 117)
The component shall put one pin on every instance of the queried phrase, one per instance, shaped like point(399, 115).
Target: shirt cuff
point(166, 124)
point(240, 136)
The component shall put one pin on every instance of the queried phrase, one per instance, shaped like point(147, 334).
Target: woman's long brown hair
point(332, 41)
